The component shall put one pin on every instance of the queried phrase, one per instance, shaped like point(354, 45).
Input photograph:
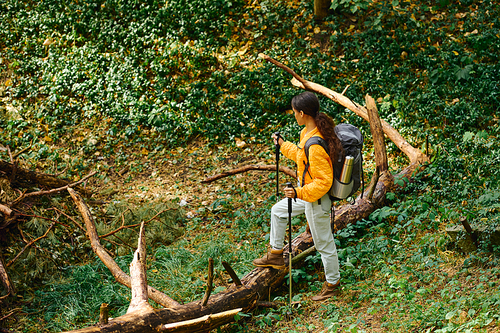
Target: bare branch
point(31, 243)
point(205, 323)
point(123, 226)
point(284, 169)
point(377, 134)
point(231, 273)
point(5, 210)
point(209, 282)
point(7, 283)
point(55, 190)
point(103, 314)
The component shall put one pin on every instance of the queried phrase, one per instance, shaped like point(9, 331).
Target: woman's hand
point(290, 192)
point(276, 140)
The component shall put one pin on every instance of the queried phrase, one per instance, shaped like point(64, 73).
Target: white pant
point(318, 216)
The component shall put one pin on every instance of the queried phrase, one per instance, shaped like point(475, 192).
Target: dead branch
point(14, 166)
point(119, 275)
point(10, 313)
point(204, 324)
point(103, 314)
point(269, 305)
point(373, 184)
point(302, 255)
point(377, 134)
point(70, 218)
point(7, 283)
point(55, 190)
point(245, 168)
point(210, 280)
point(14, 156)
point(123, 226)
point(231, 273)
point(30, 243)
point(5, 210)
point(139, 283)
point(43, 218)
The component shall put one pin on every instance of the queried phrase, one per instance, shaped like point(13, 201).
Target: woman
point(311, 197)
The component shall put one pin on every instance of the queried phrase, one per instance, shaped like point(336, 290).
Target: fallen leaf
point(240, 143)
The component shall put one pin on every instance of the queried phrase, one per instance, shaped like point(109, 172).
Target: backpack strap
point(314, 140)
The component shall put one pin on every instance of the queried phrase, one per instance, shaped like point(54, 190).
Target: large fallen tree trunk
point(258, 283)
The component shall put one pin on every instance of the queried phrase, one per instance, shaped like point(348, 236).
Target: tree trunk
point(321, 8)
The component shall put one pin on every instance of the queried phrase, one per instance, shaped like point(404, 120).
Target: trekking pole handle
point(290, 185)
point(278, 136)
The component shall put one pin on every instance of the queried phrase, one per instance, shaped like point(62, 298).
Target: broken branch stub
point(139, 283)
point(377, 134)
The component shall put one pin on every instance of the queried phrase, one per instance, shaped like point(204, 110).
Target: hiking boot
point(273, 258)
point(327, 291)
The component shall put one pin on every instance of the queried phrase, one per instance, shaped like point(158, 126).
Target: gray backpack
point(352, 142)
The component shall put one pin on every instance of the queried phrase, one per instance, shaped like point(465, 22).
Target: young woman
point(311, 197)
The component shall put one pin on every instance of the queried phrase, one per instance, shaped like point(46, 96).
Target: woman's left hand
point(277, 140)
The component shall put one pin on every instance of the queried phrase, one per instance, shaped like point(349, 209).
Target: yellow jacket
point(319, 177)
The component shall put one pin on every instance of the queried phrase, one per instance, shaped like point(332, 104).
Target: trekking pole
point(289, 184)
point(277, 153)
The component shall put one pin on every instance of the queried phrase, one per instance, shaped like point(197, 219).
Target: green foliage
point(352, 6)
point(180, 69)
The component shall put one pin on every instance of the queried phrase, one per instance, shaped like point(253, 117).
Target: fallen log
point(258, 283)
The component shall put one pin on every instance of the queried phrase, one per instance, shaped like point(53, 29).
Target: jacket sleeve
point(320, 168)
point(289, 150)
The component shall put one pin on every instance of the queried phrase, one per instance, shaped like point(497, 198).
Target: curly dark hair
point(308, 103)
